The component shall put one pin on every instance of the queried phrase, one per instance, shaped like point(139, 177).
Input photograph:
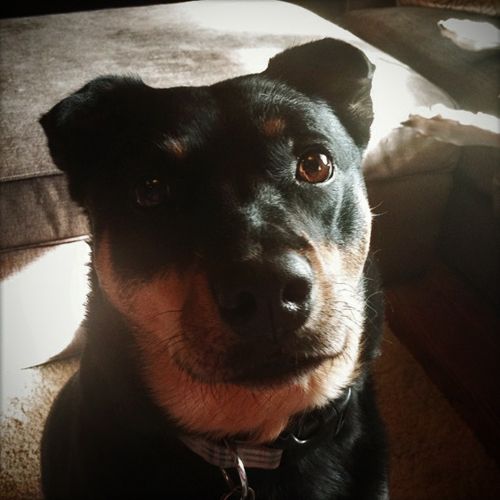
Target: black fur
point(105, 436)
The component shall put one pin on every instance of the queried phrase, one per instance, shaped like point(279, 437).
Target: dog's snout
point(272, 298)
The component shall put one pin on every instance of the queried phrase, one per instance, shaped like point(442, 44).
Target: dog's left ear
point(335, 71)
point(90, 128)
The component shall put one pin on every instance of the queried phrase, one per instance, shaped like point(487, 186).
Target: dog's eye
point(314, 167)
point(151, 193)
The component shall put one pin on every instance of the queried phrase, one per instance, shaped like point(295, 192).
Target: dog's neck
point(305, 432)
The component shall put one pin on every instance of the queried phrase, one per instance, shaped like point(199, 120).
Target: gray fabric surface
point(411, 35)
point(407, 222)
point(480, 169)
point(193, 43)
point(37, 211)
point(45, 58)
point(470, 236)
point(470, 239)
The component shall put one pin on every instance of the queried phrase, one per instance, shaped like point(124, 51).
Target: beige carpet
point(21, 426)
point(433, 454)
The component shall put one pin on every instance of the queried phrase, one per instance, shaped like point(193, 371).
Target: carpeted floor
point(433, 454)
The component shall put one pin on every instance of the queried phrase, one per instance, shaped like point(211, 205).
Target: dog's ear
point(335, 71)
point(83, 129)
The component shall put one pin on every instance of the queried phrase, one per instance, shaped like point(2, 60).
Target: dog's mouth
point(264, 351)
point(275, 369)
point(215, 378)
point(259, 364)
point(268, 363)
point(270, 370)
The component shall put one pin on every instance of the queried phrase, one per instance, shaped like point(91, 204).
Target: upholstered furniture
point(47, 57)
point(469, 240)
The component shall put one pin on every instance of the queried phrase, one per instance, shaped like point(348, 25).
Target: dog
point(235, 309)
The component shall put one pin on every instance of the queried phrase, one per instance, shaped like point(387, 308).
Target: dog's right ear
point(82, 129)
point(335, 71)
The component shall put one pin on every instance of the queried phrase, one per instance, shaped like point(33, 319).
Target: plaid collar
point(305, 432)
point(222, 455)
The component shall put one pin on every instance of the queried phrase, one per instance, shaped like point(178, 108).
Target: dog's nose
point(271, 299)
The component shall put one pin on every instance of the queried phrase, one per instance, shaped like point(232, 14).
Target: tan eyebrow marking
point(176, 146)
point(273, 127)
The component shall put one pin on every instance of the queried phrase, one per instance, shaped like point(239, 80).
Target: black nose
point(270, 299)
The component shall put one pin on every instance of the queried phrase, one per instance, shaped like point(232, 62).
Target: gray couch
point(469, 238)
point(47, 57)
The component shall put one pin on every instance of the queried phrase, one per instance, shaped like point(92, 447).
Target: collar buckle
point(310, 431)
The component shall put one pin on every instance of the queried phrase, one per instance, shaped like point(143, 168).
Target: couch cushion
point(192, 43)
point(490, 7)
point(470, 239)
point(37, 211)
point(411, 34)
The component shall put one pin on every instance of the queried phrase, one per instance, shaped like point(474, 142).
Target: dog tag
point(241, 491)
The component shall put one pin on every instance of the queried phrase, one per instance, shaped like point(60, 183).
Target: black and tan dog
point(233, 316)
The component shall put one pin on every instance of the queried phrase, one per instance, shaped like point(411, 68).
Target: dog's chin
point(252, 387)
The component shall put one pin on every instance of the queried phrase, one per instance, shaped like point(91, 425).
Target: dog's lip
point(276, 369)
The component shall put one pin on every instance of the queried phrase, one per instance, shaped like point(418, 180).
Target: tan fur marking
point(340, 314)
point(176, 146)
point(273, 127)
point(182, 343)
point(148, 306)
point(355, 256)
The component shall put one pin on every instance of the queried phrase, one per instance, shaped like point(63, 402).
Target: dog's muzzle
point(270, 298)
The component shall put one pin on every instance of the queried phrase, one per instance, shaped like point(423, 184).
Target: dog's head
point(230, 228)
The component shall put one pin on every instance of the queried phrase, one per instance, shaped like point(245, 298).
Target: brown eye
point(314, 167)
point(151, 193)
